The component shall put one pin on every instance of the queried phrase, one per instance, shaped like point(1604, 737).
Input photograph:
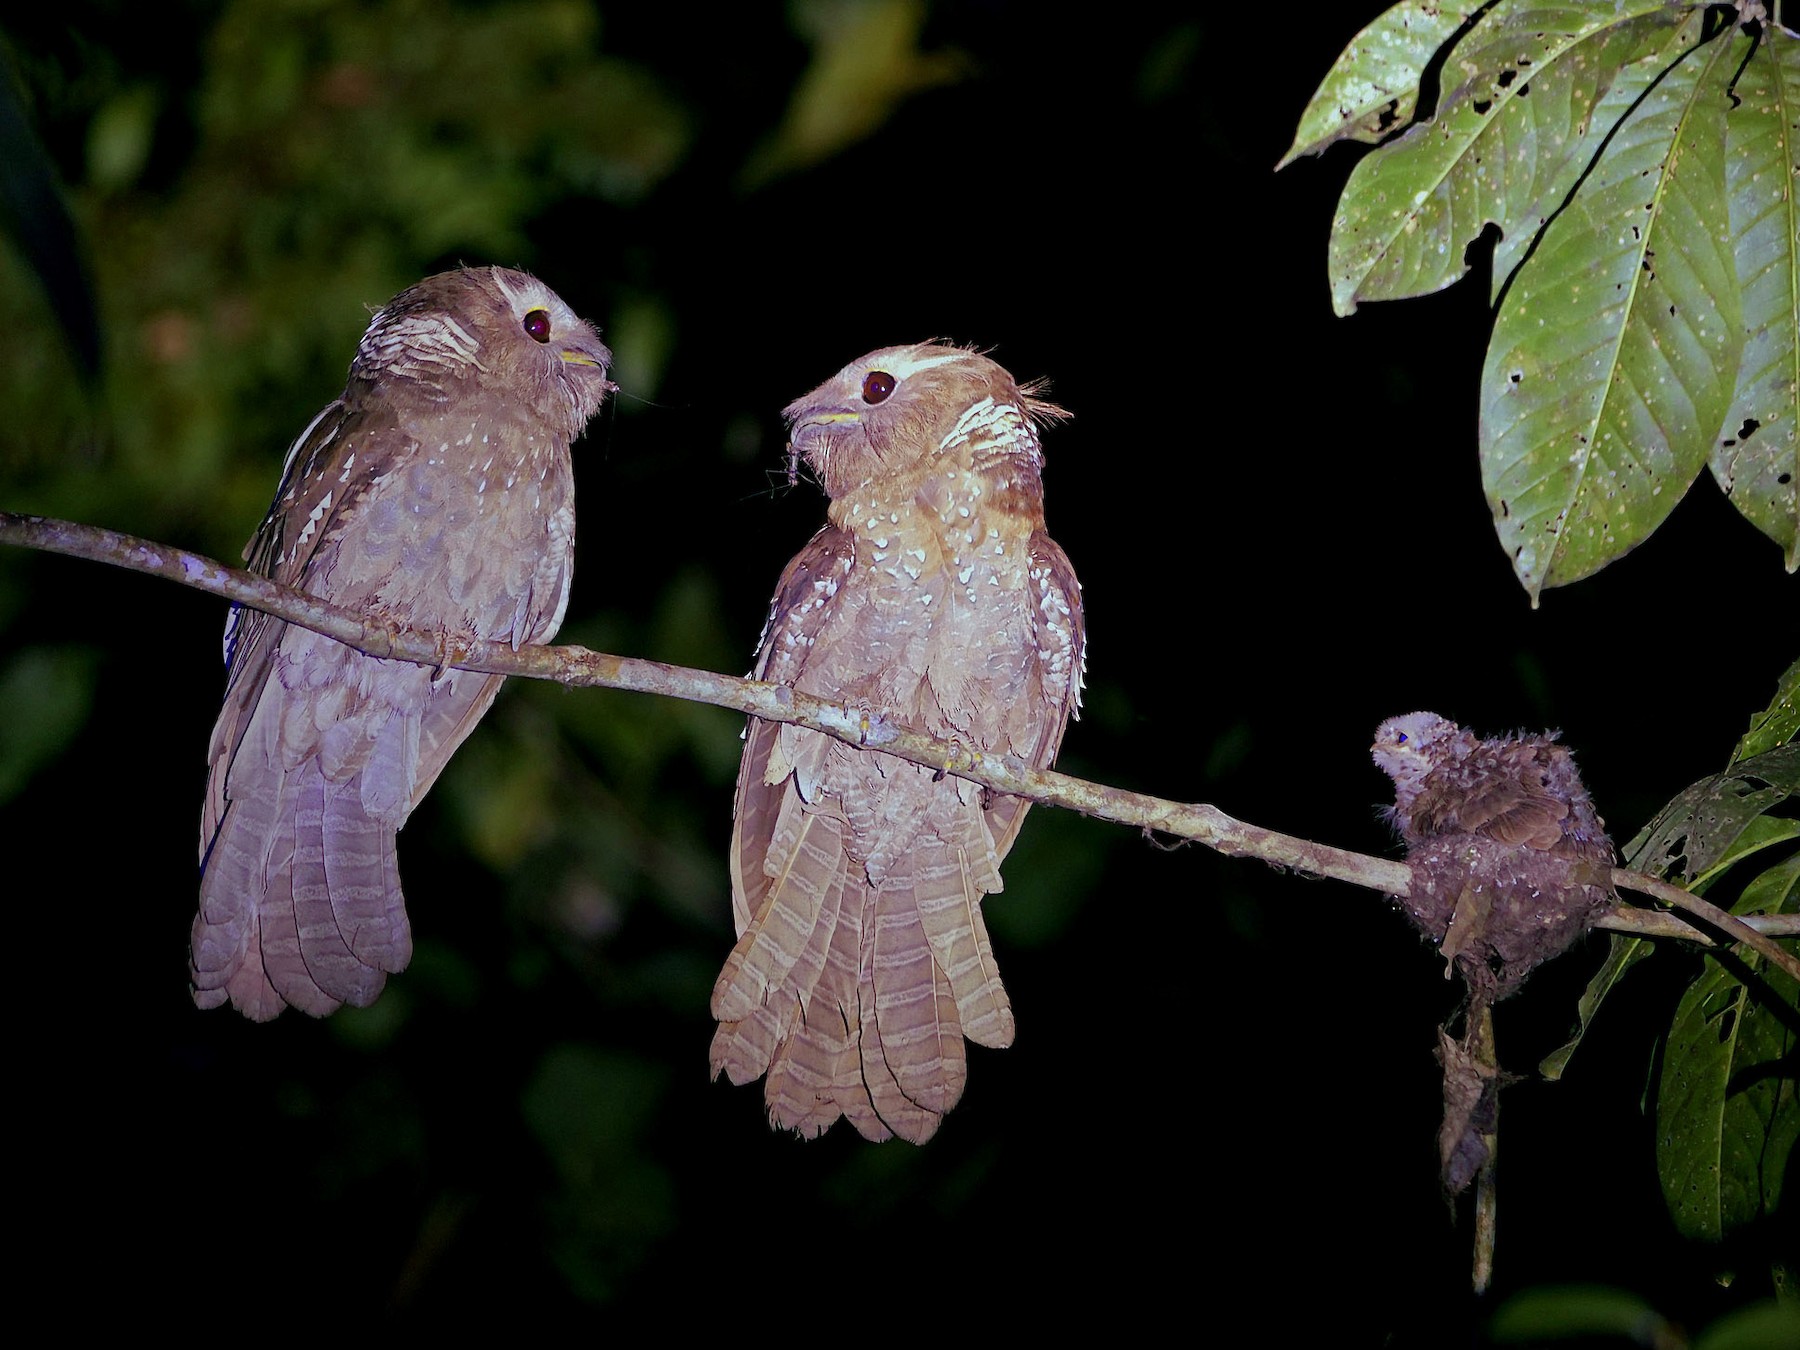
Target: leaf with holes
point(1718, 821)
point(1614, 355)
point(1531, 92)
point(1701, 828)
point(1776, 724)
point(1726, 1112)
point(1756, 455)
point(1373, 86)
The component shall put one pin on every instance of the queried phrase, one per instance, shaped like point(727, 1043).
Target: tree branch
point(854, 724)
point(1670, 894)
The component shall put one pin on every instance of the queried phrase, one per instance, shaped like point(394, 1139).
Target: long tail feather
point(364, 883)
point(812, 867)
point(898, 1112)
point(949, 904)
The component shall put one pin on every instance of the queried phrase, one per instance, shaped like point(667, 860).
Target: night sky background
point(1222, 1104)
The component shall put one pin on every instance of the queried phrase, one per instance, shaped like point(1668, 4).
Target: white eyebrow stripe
point(506, 287)
point(926, 363)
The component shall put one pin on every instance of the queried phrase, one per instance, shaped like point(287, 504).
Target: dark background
point(1222, 1104)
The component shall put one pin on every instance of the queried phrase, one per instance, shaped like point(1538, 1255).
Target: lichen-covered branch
point(866, 727)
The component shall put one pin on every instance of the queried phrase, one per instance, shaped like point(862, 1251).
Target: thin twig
point(855, 724)
point(1702, 908)
point(1487, 1188)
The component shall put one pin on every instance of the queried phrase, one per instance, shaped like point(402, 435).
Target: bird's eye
point(537, 323)
point(1399, 738)
point(877, 385)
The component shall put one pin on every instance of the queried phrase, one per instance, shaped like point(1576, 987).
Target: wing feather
point(1035, 725)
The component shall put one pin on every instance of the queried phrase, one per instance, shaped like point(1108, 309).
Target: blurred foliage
point(47, 689)
point(590, 1111)
point(1596, 1315)
point(333, 154)
point(865, 62)
point(33, 213)
point(744, 198)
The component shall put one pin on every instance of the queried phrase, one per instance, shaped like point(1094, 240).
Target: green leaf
point(1701, 826)
point(1712, 825)
point(1773, 891)
point(1373, 86)
point(1614, 355)
point(1575, 1310)
point(1764, 1324)
point(1536, 90)
point(1757, 455)
point(1776, 724)
point(1763, 832)
point(1726, 1112)
point(1625, 953)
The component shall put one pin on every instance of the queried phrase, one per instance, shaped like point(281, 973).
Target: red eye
point(877, 385)
point(537, 323)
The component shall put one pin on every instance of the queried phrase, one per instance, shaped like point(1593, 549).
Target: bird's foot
point(453, 647)
point(382, 632)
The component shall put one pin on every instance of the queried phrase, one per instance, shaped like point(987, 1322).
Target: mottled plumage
point(1510, 860)
point(434, 494)
point(934, 598)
